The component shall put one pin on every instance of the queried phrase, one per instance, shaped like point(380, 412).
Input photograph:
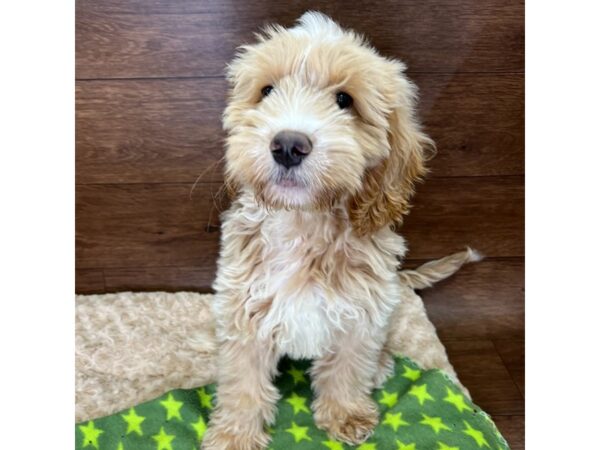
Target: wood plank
point(158, 131)
point(477, 122)
point(89, 281)
point(186, 38)
point(512, 353)
point(169, 279)
point(483, 300)
point(145, 226)
point(481, 370)
point(154, 225)
point(449, 213)
point(170, 130)
point(513, 430)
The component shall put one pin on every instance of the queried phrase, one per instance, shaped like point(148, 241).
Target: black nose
point(290, 147)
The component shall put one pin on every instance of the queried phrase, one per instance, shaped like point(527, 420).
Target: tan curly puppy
point(323, 151)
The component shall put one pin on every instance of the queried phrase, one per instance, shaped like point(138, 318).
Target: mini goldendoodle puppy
point(323, 151)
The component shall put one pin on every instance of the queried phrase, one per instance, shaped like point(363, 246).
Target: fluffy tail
point(433, 271)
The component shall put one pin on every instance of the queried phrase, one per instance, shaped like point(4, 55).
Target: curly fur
point(309, 259)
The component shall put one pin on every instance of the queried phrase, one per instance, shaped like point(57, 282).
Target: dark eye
point(266, 90)
point(343, 100)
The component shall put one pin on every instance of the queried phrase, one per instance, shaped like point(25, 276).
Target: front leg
point(246, 397)
point(343, 381)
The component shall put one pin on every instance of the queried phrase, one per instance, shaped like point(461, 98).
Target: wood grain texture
point(185, 38)
point(512, 353)
point(450, 213)
point(513, 430)
point(151, 131)
point(481, 370)
point(153, 225)
point(477, 122)
point(157, 131)
point(89, 281)
point(196, 279)
point(145, 226)
point(483, 300)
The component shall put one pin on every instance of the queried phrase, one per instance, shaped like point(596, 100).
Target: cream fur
point(309, 260)
point(133, 347)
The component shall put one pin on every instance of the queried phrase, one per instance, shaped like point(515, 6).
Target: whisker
point(216, 197)
point(204, 172)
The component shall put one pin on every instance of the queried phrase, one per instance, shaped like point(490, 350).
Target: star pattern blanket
point(419, 410)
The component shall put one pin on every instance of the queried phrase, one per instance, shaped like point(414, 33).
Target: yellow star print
point(333, 445)
point(402, 446)
point(200, 427)
point(205, 398)
point(134, 422)
point(297, 375)
point(366, 446)
point(443, 446)
point(475, 434)
point(388, 400)
point(172, 406)
point(435, 423)
point(420, 392)
point(90, 434)
point(411, 374)
point(299, 433)
point(298, 403)
point(456, 399)
point(163, 440)
point(394, 420)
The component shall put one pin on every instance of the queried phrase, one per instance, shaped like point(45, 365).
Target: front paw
point(350, 425)
point(233, 438)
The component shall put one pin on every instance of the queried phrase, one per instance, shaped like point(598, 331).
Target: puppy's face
point(315, 115)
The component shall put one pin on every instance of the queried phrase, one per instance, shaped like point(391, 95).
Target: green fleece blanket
point(419, 410)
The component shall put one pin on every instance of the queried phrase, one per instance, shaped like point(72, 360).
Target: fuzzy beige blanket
point(132, 347)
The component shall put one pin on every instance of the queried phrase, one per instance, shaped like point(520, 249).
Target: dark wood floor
point(150, 91)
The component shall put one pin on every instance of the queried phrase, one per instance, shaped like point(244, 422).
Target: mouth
point(288, 183)
point(288, 190)
point(288, 180)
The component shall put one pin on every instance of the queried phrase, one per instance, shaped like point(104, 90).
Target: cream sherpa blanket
point(132, 347)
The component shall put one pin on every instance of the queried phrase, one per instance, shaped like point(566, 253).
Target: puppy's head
point(316, 116)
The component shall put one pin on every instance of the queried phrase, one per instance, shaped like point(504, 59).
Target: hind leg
point(413, 335)
point(385, 368)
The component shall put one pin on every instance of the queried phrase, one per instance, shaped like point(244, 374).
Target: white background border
point(562, 224)
point(37, 72)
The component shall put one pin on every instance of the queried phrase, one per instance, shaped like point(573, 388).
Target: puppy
point(323, 152)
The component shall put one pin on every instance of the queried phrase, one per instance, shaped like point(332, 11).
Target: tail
point(433, 271)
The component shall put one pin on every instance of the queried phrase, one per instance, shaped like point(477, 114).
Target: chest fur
point(304, 278)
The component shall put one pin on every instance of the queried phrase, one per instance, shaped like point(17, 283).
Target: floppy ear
point(388, 187)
